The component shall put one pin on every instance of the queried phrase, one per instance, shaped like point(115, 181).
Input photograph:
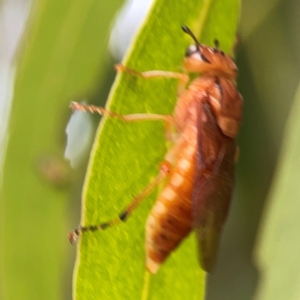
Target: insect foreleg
point(165, 169)
point(183, 78)
point(154, 73)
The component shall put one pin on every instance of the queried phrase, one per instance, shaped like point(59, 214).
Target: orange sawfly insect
point(198, 170)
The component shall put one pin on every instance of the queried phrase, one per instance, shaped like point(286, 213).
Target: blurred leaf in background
point(62, 55)
point(268, 62)
point(279, 243)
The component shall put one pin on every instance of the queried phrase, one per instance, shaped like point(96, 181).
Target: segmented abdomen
point(170, 220)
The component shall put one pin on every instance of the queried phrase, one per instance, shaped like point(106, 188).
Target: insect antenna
point(189, 32)
point(217, 44)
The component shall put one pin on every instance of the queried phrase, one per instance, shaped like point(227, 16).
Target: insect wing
point(213, 185)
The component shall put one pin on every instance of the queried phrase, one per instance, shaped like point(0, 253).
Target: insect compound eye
point(191, 50)
point(195, 52)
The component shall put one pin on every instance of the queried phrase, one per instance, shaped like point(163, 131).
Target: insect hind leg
point(165, 169)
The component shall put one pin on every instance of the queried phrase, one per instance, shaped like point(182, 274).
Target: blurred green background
point(62, 56)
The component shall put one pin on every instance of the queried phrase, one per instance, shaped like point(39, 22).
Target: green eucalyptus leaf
point(125, 157)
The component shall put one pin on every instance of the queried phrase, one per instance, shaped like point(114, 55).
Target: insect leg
point(219, 160)
point(123, 216)
point(183, 78)
point(75, 106)
point(153, 73)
